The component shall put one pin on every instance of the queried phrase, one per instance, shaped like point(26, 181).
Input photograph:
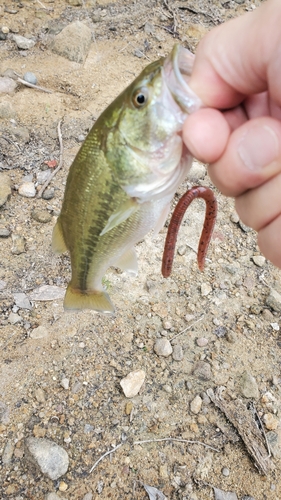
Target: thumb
point(252, 157)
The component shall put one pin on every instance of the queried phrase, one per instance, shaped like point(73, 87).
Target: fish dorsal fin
point(58, 243)
point(124, 212)
point(128, 262)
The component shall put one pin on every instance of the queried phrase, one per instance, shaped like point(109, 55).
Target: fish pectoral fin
point(77, 300)
point(128, 262)
point(124, 212)
point(58, 243)
point(162, 219)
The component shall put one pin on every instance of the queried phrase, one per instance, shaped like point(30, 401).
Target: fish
point(123, 178)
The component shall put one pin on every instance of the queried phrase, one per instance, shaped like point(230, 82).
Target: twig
point(10, 141)
point(262, 429)
point(50, 9)
point(58, 167)
point(172, 12)
point(105, 455)
point(188, 327)
point(36, 87)
point(179, 440)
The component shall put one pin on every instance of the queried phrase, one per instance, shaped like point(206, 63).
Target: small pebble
point(18, 244)
point(65, 383)
point(162, 347)
point(196, 405)
point(273, 300)
point(4, 233)
point(202, 341)
point(205, 289)
point(234, 218)
point(5, 30)
point(259, 260)
point(39, 333)
point(14, 318)
point(270, 421)
point(225, 472)
point(48, 194)
point(23, 43)
point(42, 216)
point(22, 301)
point(249, 387)
point(7, 85)
point(138, 53)
point(177, 352)
point(63, 486)
point(132, 383)
point(275, 327)
point(30, 78)
point(27, 189)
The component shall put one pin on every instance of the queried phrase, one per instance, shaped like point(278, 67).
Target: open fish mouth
point(177, 69)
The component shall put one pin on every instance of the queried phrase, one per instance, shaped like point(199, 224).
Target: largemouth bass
point(124, 177)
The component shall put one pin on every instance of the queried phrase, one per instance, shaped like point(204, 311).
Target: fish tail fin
point(97, 300)
point(58, 243)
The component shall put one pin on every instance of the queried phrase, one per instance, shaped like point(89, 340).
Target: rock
point(202, 341)
point(275, 327)
point(30, 77)
point(270, 421)
point(27, 189)
point(63, 486)
point(162, 347)
point(205, 289)
point(274, 442)
point(7, 85)
point(138, 53)
point(88, 496)
point(8, 452)
point(65, 383)
point(18, 244)
point(5, 188)
point(259, 260)
point(41, 216)
point(248, 386)
point(224, 495)
point(40, 395)
point(47, 292)
point(22, 301)
point(7, 110)
point(177, 352)
point(48, 194)
point(14, 318)
point(225, 472)
point(49, 457)
point(231, 336)
point(196, 404)
point(39, 333)
point(52, 496)
point(4, 413)
point(220, 332)
point(132, 383)
point(234, 218)
point(4, 232)
point(73, 42)
point(273, 300)
point(23, 43)
point(202, 370)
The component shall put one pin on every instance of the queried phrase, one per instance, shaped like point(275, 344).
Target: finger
point(240, 57)
point(260, 206)
point(206, 133)
point(269, 241)
point(252, 156)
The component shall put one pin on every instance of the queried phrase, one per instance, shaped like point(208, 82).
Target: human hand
point(238, 69)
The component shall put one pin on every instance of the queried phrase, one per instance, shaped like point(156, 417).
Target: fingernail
point(258, 147)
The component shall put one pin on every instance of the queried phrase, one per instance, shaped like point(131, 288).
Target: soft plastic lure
point(173, 229)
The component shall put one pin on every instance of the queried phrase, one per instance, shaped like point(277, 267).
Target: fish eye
point(140, 97)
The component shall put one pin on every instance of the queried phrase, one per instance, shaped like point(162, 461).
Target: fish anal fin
point(77, 300)
point(162, 219)
point(58, 243)
point(123, 213)
point(128, 262)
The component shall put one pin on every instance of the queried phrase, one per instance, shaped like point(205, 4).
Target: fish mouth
point(177, 70)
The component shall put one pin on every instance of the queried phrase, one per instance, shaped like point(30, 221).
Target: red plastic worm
point(173, 229)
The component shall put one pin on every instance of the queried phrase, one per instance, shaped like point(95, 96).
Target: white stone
point(27, 189)
point(196, 404)
point(65, 383)
point(132, 383)
point(51, 458)
point(39, 333)
point(23, 43)
point(163, 347)
point(205, 289)
point(259, 260)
